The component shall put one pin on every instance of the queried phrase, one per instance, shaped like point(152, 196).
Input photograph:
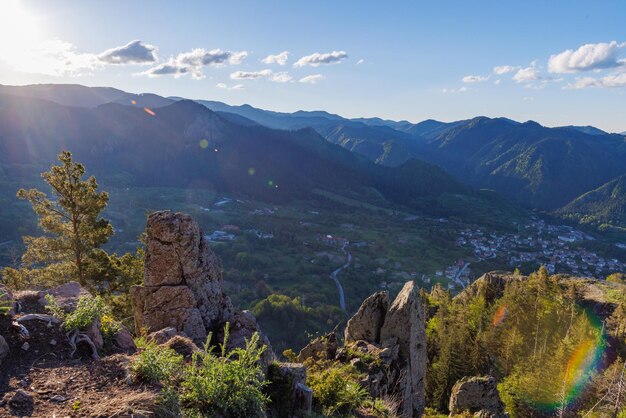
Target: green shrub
point(336, 388)
point(227, 385)
point(5, 305)
point(156, 364)
point(88, 309)
point(53, 307)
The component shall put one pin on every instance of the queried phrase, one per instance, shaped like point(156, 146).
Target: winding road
point(457, 278)
point(333, 275)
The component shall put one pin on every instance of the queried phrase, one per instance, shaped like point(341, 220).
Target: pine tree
point(71, 221)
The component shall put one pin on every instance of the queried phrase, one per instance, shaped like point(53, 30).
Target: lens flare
point(499, 316)
point(251, 171)
point(584, 362)
point(203, 143)
point(149, 111)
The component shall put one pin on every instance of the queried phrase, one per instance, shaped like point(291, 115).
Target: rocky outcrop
point(477, 395)
point(182, 292)
point(368, 321)
point(405, 322)
point(395, 337)
point(182, 280)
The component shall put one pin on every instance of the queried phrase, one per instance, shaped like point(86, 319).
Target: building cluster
point(558, 247)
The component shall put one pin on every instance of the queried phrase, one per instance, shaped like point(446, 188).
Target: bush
point(88, 309)
point(156, 364)
point(5, 305)
point(336, 388)
point(227, 385)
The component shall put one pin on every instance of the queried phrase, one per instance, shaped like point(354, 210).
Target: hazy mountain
point(186, 145)
point(538, 166)
point(82, 96)
point(277, 120)
point(589, 130)
point(606, 204)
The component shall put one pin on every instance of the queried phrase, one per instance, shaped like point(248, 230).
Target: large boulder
point(404, 322)
point(477, 395)
point(182, 280)
point(367, 322)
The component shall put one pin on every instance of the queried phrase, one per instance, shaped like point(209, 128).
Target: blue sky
point(562, 62)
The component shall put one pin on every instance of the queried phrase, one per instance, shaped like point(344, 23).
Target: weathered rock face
point(396, 336)
point(477, 395)
point(182, 292)
point(368, 321)
point(182, 279)
point(405, 322)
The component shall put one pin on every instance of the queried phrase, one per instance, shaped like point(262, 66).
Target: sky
point(555, 62)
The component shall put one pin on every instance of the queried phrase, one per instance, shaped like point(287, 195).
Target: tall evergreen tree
point(71, 221)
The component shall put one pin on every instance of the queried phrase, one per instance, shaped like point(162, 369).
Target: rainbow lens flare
point(584, 362)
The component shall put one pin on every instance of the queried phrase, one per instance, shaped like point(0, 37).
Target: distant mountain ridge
point(540, 167)
point(186, 145)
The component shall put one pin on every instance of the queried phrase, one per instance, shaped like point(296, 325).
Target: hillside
point(185, 145)
point(604, 205)
point(537, 166)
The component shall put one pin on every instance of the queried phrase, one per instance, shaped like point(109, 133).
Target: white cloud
point(497, 82)
point(586, 58)
point(194, 61)
point(317, 59)
point(282, 77)
point(504, 69)
point(280, 59)
point(312, 79)
point(134, 52)
point(474, 79)
point(226, 87)
point(611, 80)
point(250, 75)
point(525, 75)
point(361, 61)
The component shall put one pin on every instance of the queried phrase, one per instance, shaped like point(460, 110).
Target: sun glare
point(19, 30)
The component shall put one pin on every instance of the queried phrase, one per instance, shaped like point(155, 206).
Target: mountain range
point(552, 169)
point(186, 145)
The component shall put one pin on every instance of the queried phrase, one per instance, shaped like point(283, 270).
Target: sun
point(19, 30)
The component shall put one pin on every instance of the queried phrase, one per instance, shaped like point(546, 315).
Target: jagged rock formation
point(182, 291)
point(405, 323)
point(477, 395)
point(395, 337)
point(182, 280)
point(368, 321)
